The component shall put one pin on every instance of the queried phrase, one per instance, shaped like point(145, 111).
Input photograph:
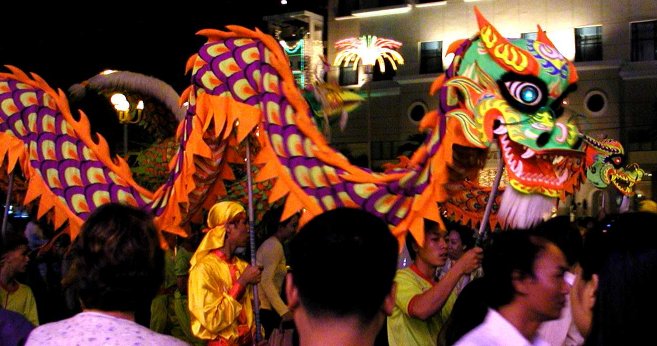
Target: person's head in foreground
point(613, 297)
point(117, 263)
point(341, 285)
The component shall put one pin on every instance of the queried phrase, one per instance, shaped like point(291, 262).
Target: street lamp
point(368, 50)
point(126, 115)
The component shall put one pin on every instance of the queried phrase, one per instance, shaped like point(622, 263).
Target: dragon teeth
point(500, 130)
point(528, 153)
point(557, 160)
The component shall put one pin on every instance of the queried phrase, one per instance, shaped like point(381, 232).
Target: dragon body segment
point(67, 168)
point(310, 174)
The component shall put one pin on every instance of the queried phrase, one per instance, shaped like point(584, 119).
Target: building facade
point(613, 44)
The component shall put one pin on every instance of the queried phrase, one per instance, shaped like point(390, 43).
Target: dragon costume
point(495, 91)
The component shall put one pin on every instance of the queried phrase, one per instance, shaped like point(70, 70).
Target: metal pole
point(249, 184)
point(125, 140)
point(369, 72)
point(491, 199)
point(5, 217)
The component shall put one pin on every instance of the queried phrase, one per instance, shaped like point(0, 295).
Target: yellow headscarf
point(218, 216)
point(648, 206)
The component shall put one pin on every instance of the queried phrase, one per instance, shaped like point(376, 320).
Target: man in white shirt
point(524, 274)
point(566, 235)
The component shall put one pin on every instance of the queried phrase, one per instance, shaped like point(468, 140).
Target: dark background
point(67, 44)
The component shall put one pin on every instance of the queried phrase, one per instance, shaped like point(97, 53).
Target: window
point(426, 3)
point(529, 35)
point(588, 43)
point(348, 76)
point(644, 40)
point(431, 53)
point(380, 3)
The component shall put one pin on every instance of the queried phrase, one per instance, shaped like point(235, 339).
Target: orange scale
point(233, 67)
point(277, 144)
point(101, 197)
point(404, 208)
point(319, 179)
point(250, 55)
point(217, 49)
point(273, 87)
point(8, 107)
point(308, 147)
point(331, 175)
point(96, 176)
point(384, 203)
point(20, 128)
point(47, 150)
point(66, 128)
point(127, 198)
point(69, 151)
point(294, 145)
point(242, 41)
point(49, 102)
point(365, 190)
point(72, 176)
point(329, 202)
point(52, 177)
point(49, 127)
point(79, 203)
point(28, 99)
point(302, 175)
point(247, 90)
point(344, 197)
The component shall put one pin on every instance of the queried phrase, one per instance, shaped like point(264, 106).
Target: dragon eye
point(616, 160)
point(524, 92)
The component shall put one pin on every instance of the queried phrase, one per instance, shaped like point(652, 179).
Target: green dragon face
point(511, 92)
point(605, 165)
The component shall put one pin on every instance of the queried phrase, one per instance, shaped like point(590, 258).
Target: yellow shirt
point(21, 301)
point(404, 330)
point(272, 257)
point(213, 310)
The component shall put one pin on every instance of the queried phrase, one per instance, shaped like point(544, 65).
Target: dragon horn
point(542, 37)
point(503, 52)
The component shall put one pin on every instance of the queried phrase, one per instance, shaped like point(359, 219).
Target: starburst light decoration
point(369, 50)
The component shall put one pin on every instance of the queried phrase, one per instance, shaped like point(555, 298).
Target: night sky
point(66, 45)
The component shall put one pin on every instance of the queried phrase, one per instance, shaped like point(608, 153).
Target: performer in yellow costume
point(220, 284)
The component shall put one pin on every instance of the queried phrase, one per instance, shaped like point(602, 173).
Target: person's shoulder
point(266, 245)
point(25, 288)
point(54, 333)
point(19, 325)
point(405, 274)
point(475, 337)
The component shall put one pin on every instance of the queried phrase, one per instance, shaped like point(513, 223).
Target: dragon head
point(510, 92)
point(606, 164)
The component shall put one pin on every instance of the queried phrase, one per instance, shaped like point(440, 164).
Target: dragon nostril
point(543, 139)
point(496, 123)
